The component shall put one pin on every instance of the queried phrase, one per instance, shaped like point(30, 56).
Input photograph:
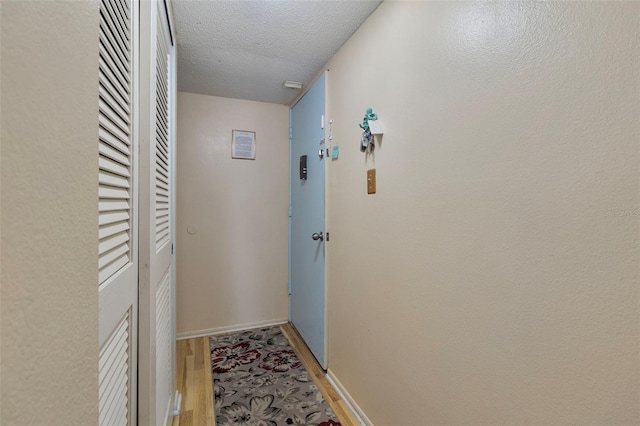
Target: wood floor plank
point(186, 419)
point(345, 416)
point(198, 361)
point(193, 362)
point(209, 413)
point(189, 397)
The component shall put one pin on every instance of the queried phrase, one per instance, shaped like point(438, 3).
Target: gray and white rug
point(259, 381)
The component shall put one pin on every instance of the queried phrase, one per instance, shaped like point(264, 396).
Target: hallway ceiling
point(247, 49)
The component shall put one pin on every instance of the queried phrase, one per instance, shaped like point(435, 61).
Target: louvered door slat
point(162, 194)
point(112, 153)
point(113, 241)
point(124, 7)
point(160, 232)
point(161, 130)
point(162, 180)
point(163, 171)
point(118, 253)
point(162, 164)
point(122, 155)
point(110, 378)
point(111, 179)
point(110, 230)
point(118, 412)
point(106, 96)
point(161, 136)
point(113, 97)
point(111, 353)
point(162, 161)
point(118, 27)
point(116, 379)
point(163, 125)
point(114, 118)
point(114, 42)
point(163, 332)
point(115, 193)
point(115, 409)
point(161, 154)
point(114, 135)
point(109, 75)
point(113, 267)
point(114, 127)
point(110, 57)
point(162, 96)
point(113, 217)
point(161, 225)
point(112, 205)
point(160, 108)
point(106, 163)
point(113, 367)
point(113, 91)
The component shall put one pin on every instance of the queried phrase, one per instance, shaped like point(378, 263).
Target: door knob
point(317, 236)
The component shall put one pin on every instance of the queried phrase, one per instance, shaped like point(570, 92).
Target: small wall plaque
point(243, 145)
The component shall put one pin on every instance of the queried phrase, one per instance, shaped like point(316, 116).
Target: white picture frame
point(243, 144)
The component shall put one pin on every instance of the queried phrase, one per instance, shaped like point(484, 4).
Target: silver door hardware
point(321, 153)
point(317, 236)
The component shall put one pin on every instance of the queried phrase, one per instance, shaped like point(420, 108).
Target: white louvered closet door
point(161, 261)
point(157, 366)
point(117, 218)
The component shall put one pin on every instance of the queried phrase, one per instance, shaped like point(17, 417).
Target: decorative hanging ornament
point(366, 141)
point(369, 115)
point(367, 138)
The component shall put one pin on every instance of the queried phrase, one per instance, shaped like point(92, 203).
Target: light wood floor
point(196, 385)
point(194, 382)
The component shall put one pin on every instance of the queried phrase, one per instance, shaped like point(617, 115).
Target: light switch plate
point(371, 181)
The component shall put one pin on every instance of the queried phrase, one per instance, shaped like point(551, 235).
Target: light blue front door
point(307, 299)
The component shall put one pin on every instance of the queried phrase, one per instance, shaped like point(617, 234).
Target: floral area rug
point(259, 381)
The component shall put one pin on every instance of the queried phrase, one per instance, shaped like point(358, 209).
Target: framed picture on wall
point(243, 145)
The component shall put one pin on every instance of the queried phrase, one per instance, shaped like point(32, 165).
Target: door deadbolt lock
point(317, 236)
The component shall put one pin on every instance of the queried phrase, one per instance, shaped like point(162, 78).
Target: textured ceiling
point(246, 49)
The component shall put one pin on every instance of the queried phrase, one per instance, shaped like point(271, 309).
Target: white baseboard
point(353, 406)
point(229, 329)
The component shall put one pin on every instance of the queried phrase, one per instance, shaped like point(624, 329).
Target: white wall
point(49, 210)
point(234, 270)
point(487, 281)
